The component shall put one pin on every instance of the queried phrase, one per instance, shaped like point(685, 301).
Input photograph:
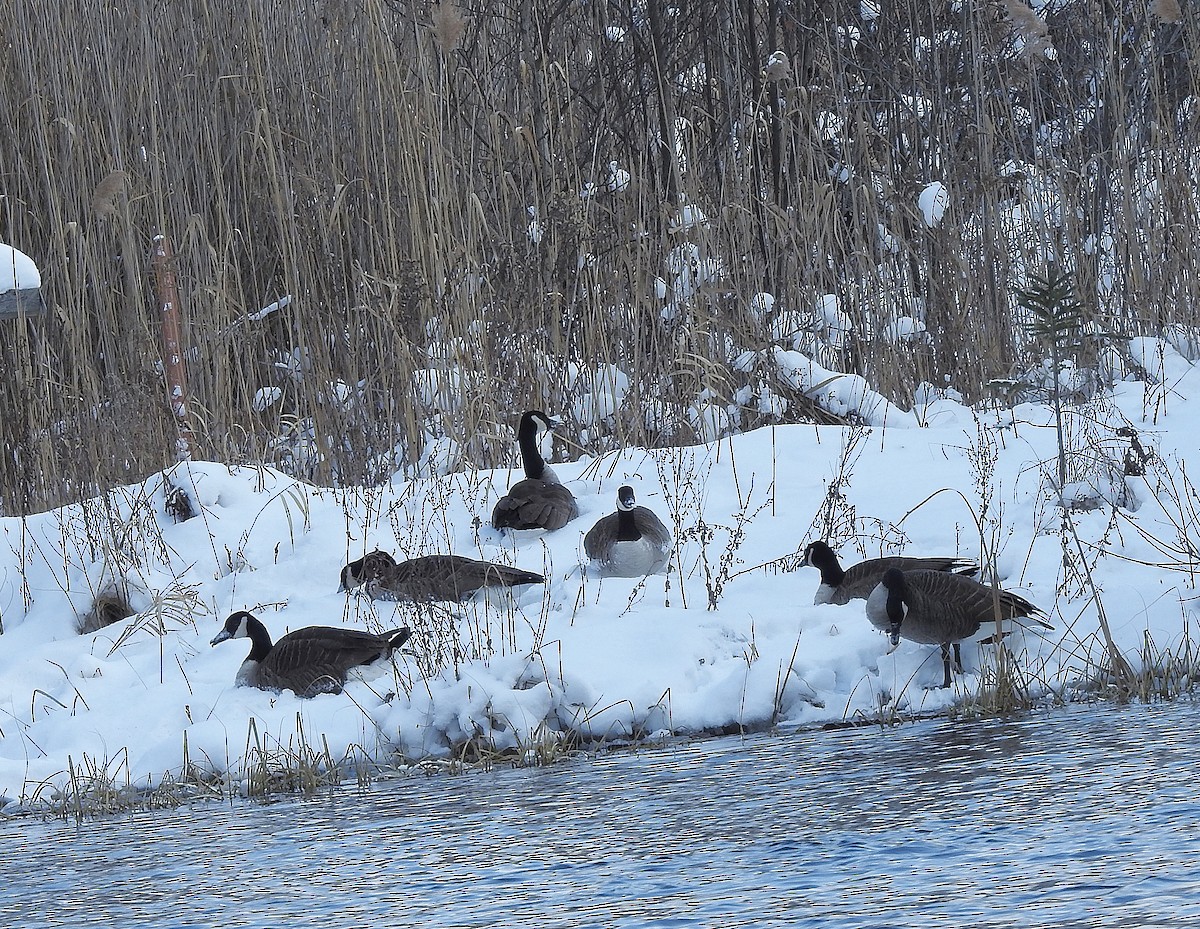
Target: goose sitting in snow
point(431, 577)
point(539, 501)
point(310, 661)
point(840, 586)
point(940, 608)
point(632, 542)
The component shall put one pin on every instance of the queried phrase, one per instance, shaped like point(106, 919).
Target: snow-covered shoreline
point(603, 659)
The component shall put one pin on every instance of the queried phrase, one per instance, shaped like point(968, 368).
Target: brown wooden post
point(162, 263)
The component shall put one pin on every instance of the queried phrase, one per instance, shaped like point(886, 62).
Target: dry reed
point(395, 223)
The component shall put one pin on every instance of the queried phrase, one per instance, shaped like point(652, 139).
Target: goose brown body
point(539, 501)
point(430, 577)
point(632, 542)
point(841, 585)
point(938, 608)
point(309, 661)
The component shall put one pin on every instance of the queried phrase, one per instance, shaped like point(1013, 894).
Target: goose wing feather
point(605, 532)
point(451, 577)
point(648, 554)
point(946, 607)
point(938, 611)
point(535, 504)
point(862, 578)
point(308, 680)
point(430, 577)
point(315, 659)
point(600, 536)
point(652, 528)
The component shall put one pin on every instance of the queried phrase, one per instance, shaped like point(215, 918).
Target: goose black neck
point(531, 458)
point(260, 639)
point(627, 527)
point(831, 570)
point(895, 612)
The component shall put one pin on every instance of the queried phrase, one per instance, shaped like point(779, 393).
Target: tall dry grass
point(381, 163)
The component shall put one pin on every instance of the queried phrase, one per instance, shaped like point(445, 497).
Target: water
point(1078, 818)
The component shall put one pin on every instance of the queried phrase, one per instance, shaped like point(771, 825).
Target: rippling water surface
point(1078, 818)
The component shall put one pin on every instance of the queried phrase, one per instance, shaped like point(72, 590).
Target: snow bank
point(606, 660)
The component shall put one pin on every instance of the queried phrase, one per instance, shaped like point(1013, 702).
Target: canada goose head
point(820, 556)
point(534, 425)
point(243, 625)
point(370, 567)
point(237, 626)
point(352, 576)
point(626, 500)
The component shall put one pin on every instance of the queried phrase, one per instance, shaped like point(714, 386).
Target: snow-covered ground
point(17, 270)
point(729, 638)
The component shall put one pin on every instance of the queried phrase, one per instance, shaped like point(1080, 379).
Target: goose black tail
point(515, 576)
point(397, 637)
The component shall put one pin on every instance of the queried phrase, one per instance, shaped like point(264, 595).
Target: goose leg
point(957, 658)
point(946, 661)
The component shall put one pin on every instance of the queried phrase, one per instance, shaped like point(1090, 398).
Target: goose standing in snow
point(310, 661)
point(632, 542)
point(539, 501)
point(940, 608)
point(840, 586)
point(431, 577)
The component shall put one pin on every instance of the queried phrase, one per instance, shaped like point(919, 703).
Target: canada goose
point(310, 661)
point(432, 577)
point(631, 542)
point(539, 501)
point(856, 583)
point(939, 608)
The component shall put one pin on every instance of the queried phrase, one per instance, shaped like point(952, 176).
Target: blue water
point(1075, 818)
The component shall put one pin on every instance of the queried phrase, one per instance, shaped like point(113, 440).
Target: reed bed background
point(398, 222)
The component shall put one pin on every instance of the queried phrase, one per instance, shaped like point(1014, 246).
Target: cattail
point(448, 25)
point(107, 192)
point(1167, 11)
